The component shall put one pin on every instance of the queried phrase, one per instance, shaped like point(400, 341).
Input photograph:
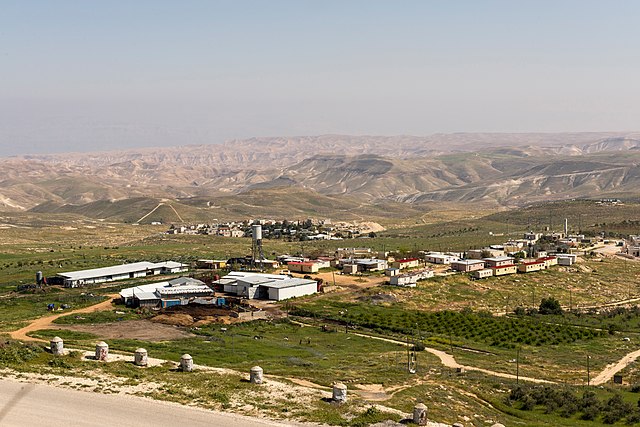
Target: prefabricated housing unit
point(440, 258)
point(528, 267)
point(567, 259)
point(549, 260)
point(303, 267)
point(482, 274)
point(467, 265)
point(505, 269)
point(410, 279)
point(406, 263)
point(499, 261)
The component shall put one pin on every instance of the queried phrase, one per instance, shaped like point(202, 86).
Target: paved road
point(23, 404)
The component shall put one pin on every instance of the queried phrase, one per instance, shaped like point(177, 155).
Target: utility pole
point(517, 365)
point(588, 372)
point(533, 297)
point(570, 301)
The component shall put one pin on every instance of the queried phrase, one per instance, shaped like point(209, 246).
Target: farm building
point(481, 274)
point(406, 263)
point(267, 286)
point(178, 291)
point(290, 288)
point(410, 279)
point(505, 269)
point(528, 267)
point(303, 267)
point(440, 258)
point(467, 265)
point(74, 279)
point(230, 282)
point(498, 261)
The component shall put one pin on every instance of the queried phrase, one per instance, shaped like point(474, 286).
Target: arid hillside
point(493, 169)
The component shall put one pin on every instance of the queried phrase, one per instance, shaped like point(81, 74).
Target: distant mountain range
point(345, 172)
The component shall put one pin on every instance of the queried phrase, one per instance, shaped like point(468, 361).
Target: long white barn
point(73, 279)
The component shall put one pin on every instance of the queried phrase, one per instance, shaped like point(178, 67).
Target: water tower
point(256, 247)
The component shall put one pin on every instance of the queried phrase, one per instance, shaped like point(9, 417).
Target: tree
point(550, 306)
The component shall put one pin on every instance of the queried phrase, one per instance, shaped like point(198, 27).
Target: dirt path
point(45, 322)
point(613, 368)
point(450, 362)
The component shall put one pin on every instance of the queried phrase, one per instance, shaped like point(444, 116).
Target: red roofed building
point(528, 267)
point(505, 269)
point(303, 267)
point(549, 261)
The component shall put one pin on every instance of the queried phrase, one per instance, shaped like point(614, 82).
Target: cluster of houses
point(514, 256)
point(308, 229)
point(228, 229)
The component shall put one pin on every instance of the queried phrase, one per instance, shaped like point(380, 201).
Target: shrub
point(550, 306)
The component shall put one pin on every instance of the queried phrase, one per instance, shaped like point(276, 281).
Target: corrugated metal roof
point(288, 283)
point(171, 264)
point(151, 287)
point(184, 290)
point(109, 271)
point(241, 274)
point(186, 285)
point(116, 270)
point(181, 281)
point(146, 296)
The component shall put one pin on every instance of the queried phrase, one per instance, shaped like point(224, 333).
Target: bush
point(550, 306)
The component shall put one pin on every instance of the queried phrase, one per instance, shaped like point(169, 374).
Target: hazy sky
point(86, 75)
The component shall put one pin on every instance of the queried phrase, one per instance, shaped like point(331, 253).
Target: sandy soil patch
point(132, 329)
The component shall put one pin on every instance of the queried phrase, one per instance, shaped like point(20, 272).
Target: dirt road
point(450, 362)
point(45, 322)
point(607, 373)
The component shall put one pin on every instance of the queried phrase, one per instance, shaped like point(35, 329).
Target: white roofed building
point(266, 286)
point(179, 291)
point(73, 279)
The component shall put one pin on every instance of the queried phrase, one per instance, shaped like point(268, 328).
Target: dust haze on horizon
point(90, 77)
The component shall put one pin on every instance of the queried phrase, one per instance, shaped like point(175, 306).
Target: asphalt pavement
point(24, 404)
